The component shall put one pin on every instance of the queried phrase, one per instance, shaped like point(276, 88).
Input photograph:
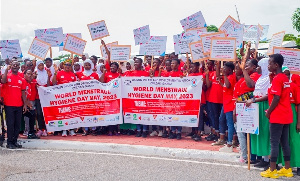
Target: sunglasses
point(68, 64)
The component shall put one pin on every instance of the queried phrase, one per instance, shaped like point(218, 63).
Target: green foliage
point(212, 28)
point(62, 56)
point(296, 20)
point(289, 37)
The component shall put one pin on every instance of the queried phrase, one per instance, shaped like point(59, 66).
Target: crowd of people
point(249, 80)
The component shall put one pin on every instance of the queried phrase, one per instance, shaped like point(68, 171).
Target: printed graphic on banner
point(182, 41)
point(196, 49)
point(86, 103)
point(264, 33)
point(120, 53)
point(276, 41)
point(194, 21)
point(98, 30)
point(141, 35)
point(247, 118)
point(206, 41)
point(232, 28)
point(53, 36)
point(156, 46)
point(223, 49)
point(103, 51)
point(10, 49)
point(161, 100)
point(74, 45)
point(39, 49)
point(291, 58)
point(61, 46)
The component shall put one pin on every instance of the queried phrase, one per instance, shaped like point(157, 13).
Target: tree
point(212, 28)
point(289, 37)
point(62, 56)
point(296, 20)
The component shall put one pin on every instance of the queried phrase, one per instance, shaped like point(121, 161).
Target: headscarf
point(66, 60)
point(131, 61)
point(98, 66)
point(284, 68)
point(80, 68)
point(88, 72)
point(42, 76)
point(263, 83)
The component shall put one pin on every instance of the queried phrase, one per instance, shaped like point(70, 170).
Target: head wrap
point(88, 72)
point(284, 68)
point(98, 66)
point(42, 76)
point(131, 61)
point(263, 83)
point(80, 67)
point(67, 60)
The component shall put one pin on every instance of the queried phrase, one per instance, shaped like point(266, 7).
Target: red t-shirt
point(244, 88)
point(147, 68)
point(28, 90)
point(93, 76)
point(282, 114)
point(139, 73)
point(107, 66)
point(63, 77)
point(215, 94)
point(127, 73)
point(237, 88)
point(203, 98)
point(110, 76)
point(13, 90)
point(180, 65)
point(228, 101)
point(295, 93)
point(295, 79)
point(34, 92)
point(175, 74)
point(165, 73)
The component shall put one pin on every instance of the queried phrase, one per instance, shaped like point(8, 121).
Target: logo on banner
point(154, 116)
point(140, 103)
point(51, 124)
point(194, 83)
point(193, 120)
point(116, 84)
point(82, 118)
point(134, 117)
point(127, 82)
point(60, 124)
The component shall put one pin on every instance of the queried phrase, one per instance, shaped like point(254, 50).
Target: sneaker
point(32, 136)
point(144, 134)
point(154, 133)
point(219, 142)
point(139, 134)
point(190, 134)
point(194, 136)
point(172, 135)
point(39, 133)
point(64, 133)
point(242, 160)
point(226, 149)
point(160, 133)
point(11, 146)
point(211, 137)
point(285, 172)
point(72, 133)
point(261, 164)
point(197, 138)
point(25, 133)
point(298, 171)
point(45, 133)
point(269, 174)
point(178, 136)
point(165, 134)
point(18, 145)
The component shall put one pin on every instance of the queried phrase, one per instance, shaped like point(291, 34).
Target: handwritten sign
point(182, 41)
point(103, 51)
point(74, 45)
point(223, 49)
point(291, 58)
point(156, 45)
point(10, 49)
point(61, 46)
point(141, 35)
point(53, 36)
point(247, 118)
point(98, 30)
point(120, 53)
point(39, 49)
point(194, 21)
point(276, 41)
point(232, 28)
point(206, 40)
point(196, 49)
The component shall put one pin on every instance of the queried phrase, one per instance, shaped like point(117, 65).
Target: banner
point(10, 49)
point(53, 36)
point(39, 49)
point(206, 41)
point(232, 28)
point(81, 104)
point(141, 35)
point(247, 118)
point(196, 49)
point(98, 30)
point(161, 100)
point(291, 58)
point(103, 51)
point(120, 53)
point(223, 49)
point(276, 41)
point(74, 45)
point(194, 21)
point(182, 41)
point(61, 46)
point(156, 46)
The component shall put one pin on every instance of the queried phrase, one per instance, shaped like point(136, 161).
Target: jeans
point(87, 128)
point(201, 118)
point(243, 143)
point(31, 116)
point(279, 133)
point(154, 128)
point(214, 110)
point(40, 116)
point(231, 129)
point(13, 122)
point(139, 127)
point(222, 122)
point(173, 129)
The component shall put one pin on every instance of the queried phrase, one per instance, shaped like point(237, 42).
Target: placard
point(39, 48)
point(74, 45)
point(103, 51)
point(120, 53)
point(232, 28)
point(141, 35)
point(291, 58)
point(98, 30)
point(194, 21)
point(156, 46)
point(206, 40)
point(196, 49)
point(264, 33)
point(61, 46)
point(247, 118)
point(53, 36)
point(182, 41)
point(276, 41)
point(253, 33)
point(10, 49)
point(223, 49)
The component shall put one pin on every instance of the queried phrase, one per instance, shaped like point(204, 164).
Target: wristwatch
point(253, 99)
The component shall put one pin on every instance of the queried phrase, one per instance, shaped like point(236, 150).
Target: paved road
point(32, 164)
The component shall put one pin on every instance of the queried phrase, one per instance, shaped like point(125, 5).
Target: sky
point(19, 18)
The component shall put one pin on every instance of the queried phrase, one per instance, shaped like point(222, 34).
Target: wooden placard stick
point(152, 61)
point(51, 52)
point(187, 61)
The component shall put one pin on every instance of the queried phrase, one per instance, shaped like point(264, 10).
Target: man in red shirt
point(14, 103)
point(280, 116)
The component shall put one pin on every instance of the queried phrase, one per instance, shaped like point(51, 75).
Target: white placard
point(10, 49)
point(206, 41)
point(120, 53)
point(232, 28)
point(61, 46)
point(75, 45)
point(39, 49)
point(103, 51)
point(196, 49)
point(53, 36)
point(247, 118)
point(276, 41)
point(223, 49)
point(98, 30)
point(291, 58)
point(141, 35)
point(156, 46)
point(194, 21)
point(264, 33)
point(182, 41)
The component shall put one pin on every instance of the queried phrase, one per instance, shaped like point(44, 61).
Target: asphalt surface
point(55, 164)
